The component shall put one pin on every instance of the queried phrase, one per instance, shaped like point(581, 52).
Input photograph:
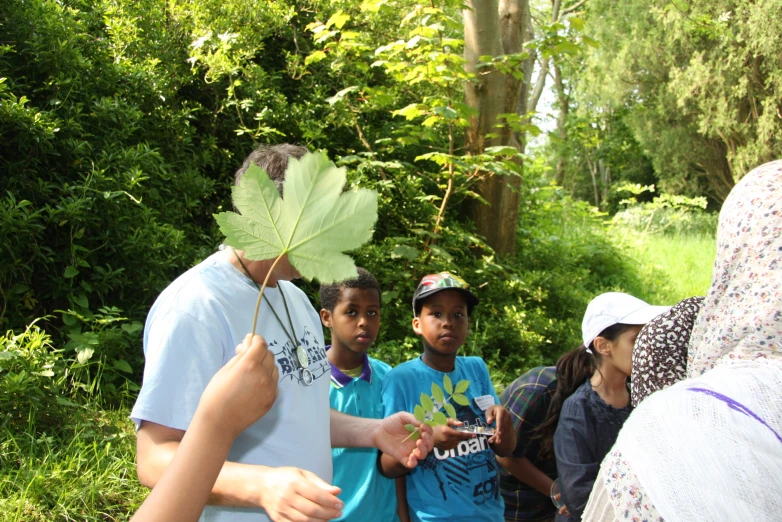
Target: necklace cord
point(282, 294)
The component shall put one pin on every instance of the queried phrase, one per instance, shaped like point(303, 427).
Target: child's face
point(620, 351)
point(355, 320)
point(443, 322)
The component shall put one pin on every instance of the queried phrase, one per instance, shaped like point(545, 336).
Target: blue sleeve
point(576, 463)
point(181, 357)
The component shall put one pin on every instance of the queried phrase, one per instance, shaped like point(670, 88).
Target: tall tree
point(504, 98)
point(495, 28)
point(702, 79)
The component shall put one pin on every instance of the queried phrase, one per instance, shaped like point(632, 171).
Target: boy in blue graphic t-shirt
point(458, 480)
point(351, 309)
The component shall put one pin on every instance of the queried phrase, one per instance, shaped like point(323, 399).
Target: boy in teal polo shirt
point(351, 309)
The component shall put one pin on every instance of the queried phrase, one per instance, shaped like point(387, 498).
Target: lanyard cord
point(247, 273)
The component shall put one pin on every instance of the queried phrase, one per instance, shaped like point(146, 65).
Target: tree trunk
point(494, 28)
point(563, 101)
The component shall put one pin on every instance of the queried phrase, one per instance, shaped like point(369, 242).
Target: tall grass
point(85, 471)
point(671, 267)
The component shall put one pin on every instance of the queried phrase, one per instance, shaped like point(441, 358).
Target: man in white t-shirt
point(280, 467)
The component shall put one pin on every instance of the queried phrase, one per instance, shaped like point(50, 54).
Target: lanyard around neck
point(282, 295)
point(299, 352)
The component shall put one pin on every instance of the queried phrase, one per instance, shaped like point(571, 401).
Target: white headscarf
point(710, 447)
point(741, 318)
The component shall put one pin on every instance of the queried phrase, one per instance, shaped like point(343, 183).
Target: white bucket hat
point(616, 308)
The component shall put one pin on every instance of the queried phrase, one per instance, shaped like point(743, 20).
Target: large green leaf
point(313, 224)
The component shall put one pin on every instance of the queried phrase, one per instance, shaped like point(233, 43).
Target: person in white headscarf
point(710, 447)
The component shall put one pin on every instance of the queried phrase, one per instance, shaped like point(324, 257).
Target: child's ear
point(325, 317)
point(417, 325)
point(603, 346)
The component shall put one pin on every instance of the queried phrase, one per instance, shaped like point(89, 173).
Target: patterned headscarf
point(708, 447)
point(741, 318)
point(660, 352)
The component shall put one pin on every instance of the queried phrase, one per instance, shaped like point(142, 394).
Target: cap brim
point(643, 315)
point(472, 299)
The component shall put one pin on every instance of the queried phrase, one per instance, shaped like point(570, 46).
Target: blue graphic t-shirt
point(460, 484)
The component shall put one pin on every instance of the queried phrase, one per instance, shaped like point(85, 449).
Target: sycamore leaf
point(313, 224)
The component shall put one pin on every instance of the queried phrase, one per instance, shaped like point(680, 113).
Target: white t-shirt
point(192, 330)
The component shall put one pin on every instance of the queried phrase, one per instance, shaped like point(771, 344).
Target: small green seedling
point(429, 411)
point(313, 224)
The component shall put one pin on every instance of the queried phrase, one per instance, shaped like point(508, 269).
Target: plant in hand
point(430, 411)
point(312, 225)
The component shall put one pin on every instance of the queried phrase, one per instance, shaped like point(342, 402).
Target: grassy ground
point(672, 268)
point(85, 470)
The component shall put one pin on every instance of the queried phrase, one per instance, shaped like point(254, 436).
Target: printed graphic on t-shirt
point(287, 363)
point(469, 466)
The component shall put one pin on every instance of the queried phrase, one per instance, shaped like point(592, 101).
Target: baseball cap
point(433, 283)
point(614, 308)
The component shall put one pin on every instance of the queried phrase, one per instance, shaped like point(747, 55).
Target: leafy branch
point(430, 411)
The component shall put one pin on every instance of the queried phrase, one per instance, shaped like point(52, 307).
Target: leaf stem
point(260, 294)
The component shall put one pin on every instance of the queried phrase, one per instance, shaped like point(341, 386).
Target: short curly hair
point(273, 159)
point(330, 294)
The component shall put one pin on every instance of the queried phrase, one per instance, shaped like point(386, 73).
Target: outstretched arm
point(183, 467)
point(388, 435)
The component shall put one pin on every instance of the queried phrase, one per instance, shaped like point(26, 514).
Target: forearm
point(401, 499)
point(185, 487)
point(506, 445)
point(352, 432)
point(524, 470)
point(391, 467)
point(236, 485)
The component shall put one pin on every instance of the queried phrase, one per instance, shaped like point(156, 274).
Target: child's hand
point(504, 423)
point(447, 438)
point(243, 390)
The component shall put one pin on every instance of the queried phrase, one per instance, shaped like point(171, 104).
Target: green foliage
point(82, 470)
point(666, 213)
point(700, 79)
point(102, 178)
point(32, 376)
point(429, 411)
point(312, 225)
point(672, 266)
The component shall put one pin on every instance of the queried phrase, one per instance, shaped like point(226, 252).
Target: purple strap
point(735, 405)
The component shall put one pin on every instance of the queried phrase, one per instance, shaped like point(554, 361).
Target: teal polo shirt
point(367, 494)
